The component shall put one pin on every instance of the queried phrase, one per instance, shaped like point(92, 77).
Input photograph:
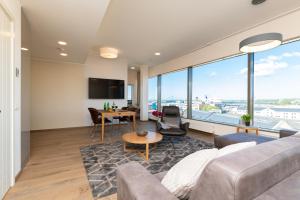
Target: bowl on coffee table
point(142, 133)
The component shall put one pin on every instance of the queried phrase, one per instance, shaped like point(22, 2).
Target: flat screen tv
point(106, 88)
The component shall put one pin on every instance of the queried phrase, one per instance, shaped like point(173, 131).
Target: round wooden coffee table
point(133, 138)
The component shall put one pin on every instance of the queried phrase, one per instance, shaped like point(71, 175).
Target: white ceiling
point(73, 21)
point(139, 28)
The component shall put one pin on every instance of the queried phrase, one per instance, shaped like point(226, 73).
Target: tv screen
point(106, 88)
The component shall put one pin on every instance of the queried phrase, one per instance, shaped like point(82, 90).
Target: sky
point(277, 76)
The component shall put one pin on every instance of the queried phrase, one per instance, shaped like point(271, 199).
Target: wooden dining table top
point(117, 112)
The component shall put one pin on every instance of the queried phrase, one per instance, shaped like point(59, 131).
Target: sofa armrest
point(286, 133)
point(185, 126)
point(134, 182)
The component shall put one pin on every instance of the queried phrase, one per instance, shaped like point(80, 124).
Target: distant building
point(282, 113)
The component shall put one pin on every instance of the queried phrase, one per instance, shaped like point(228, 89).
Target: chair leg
point(173, 145)
point(92, 134)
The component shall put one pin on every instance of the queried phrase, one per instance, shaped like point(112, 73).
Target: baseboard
point(72, 128)
point(18, 175)
point(59, 129)
point(201, 132)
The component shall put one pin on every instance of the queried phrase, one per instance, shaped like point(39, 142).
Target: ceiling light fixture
point(260, 42)
point(108, 52)
point(63, 54)
point(132, 68)
point(157, 54)
point(63, 43)
point(24, 49)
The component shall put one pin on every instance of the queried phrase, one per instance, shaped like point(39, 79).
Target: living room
point(98, 96)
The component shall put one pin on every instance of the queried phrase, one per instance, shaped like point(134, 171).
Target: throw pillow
point(182, 177)
point(235, 147)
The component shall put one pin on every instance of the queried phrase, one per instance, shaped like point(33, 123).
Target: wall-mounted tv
point(106, 88)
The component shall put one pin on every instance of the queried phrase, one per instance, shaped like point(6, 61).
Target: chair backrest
point(94, 115)
point(171, 115)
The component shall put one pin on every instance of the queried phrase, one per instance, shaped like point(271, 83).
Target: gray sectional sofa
point(267, 171)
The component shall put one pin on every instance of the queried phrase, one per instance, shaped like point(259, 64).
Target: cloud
point(212, 74)
point(243, 71)
point(296, 67)
point(270, 58)
point(291, 54)
point(267, 66)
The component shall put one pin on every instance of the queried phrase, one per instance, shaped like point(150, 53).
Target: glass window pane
point(129, 92)
point(174, 90)
point(219, 91)
point(152, 94)
point(277, 88)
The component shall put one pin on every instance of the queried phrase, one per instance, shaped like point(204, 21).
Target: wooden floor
point(55, 169)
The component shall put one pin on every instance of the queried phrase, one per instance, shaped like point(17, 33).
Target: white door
point(6, 44)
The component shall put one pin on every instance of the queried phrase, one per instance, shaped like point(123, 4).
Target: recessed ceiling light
point(24, 49)
point(132, 67)
point(63, 54)
point(62, 43)
point(157, 54)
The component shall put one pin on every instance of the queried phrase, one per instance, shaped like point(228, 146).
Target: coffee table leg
point(147, 151)
point(125, 146)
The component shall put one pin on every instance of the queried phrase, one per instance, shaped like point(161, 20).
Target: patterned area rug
point(101, 160)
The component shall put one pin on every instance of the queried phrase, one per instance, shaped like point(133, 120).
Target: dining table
point(117, 113)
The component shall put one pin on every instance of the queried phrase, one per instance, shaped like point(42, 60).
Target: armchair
point(171, 124)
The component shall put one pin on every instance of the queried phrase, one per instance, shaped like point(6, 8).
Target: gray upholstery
point(287, 189)
point(246, 174)
point(160, 175)
point(134, 182)
point(266, 171)
point(286, 133)
point(171, 116)
point(225, 140)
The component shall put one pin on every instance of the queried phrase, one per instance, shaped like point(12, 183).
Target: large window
point(152, 93)
point(174, 90)
point(219, 92)
point(219, 89)
point(277, 88)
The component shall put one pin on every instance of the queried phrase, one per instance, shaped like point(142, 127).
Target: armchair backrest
point(171, 115)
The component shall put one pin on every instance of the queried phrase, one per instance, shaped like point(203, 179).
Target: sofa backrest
point(248, 173)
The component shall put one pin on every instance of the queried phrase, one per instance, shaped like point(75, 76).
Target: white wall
point(60, 91)
point(132, 79)
point(288, 25)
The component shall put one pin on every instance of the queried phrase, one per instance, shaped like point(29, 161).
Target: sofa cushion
point(246, 174)
point(182, 177)
point(224, 140)
point(286, 189)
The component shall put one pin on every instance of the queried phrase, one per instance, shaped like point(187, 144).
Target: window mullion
point(250, 92)
point(189, 92)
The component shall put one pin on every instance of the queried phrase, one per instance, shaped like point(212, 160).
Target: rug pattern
point(101, 160)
